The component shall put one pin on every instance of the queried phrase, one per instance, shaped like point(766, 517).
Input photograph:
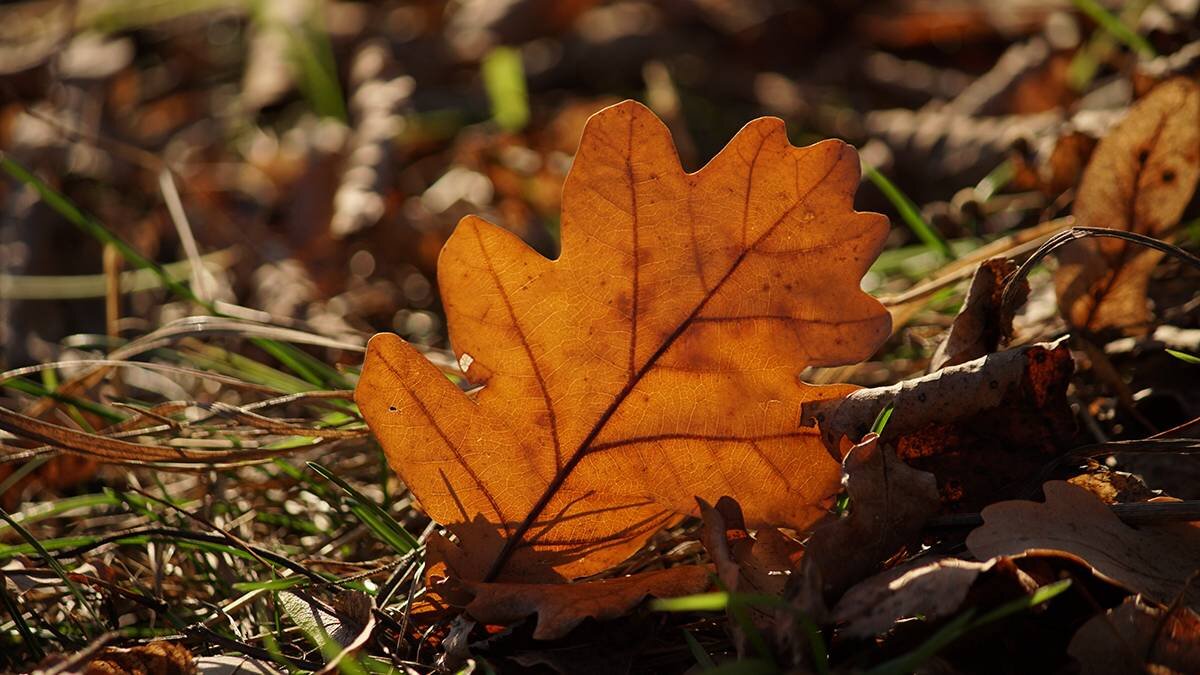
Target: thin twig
point(1067, 236)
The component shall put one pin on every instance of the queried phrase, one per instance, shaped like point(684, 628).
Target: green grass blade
point(504, 79)
point(882, 418)
point(715, 601)
point(698, 653)
point(92, 227)
point(270, 585)
point(372, 515)
point(58, 507)
point(963, 624)
point(27, 635)
point(310, 369)
point(1184, 356)
point(317, 70)
point(909, 213)
point(53, 564)
point(1039, 596)
point(995, 181)
point(1116, 27)
point(27, 386)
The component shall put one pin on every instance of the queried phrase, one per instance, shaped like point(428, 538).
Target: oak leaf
point(654, 361)
point(1157, 561)
point(1140, 179)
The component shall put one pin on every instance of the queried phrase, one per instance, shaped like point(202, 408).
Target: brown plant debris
point(1137, 637)
point(889, 503)
point(156, 658)
point(983, 323)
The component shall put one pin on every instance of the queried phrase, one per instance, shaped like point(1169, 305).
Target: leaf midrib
point(584, 449)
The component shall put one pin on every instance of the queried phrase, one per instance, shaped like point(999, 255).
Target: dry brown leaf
point(1140, 179)
point(1112, 486)
point(746, 563)
point(760, 563)
point(156, 658)
point(1055, 165)
point(654, 361)
point(1157, 561)
point(931, 589)
point(561, 607)
point(979, 327)
point(889, 504)
point(981, 427)
point(1136, 638)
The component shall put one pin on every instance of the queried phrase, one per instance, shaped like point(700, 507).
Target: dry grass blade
point(118, 451)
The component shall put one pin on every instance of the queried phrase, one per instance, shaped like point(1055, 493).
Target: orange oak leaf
point(654, 361)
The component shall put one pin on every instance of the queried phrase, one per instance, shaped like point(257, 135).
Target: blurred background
point(306, 159)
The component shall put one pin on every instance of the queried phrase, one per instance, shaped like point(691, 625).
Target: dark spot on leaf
point(1168, 176)
point(1143, 155)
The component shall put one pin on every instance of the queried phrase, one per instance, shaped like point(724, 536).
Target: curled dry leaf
point(758, 563)
point(654, 361)
point(156, 658)
point(931, 589)
point(980, 325)
point(1140, 179)
point(981, 427)
point(561, 607)
point(889, 504)
point(1138, 638)
point(1157, 561)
